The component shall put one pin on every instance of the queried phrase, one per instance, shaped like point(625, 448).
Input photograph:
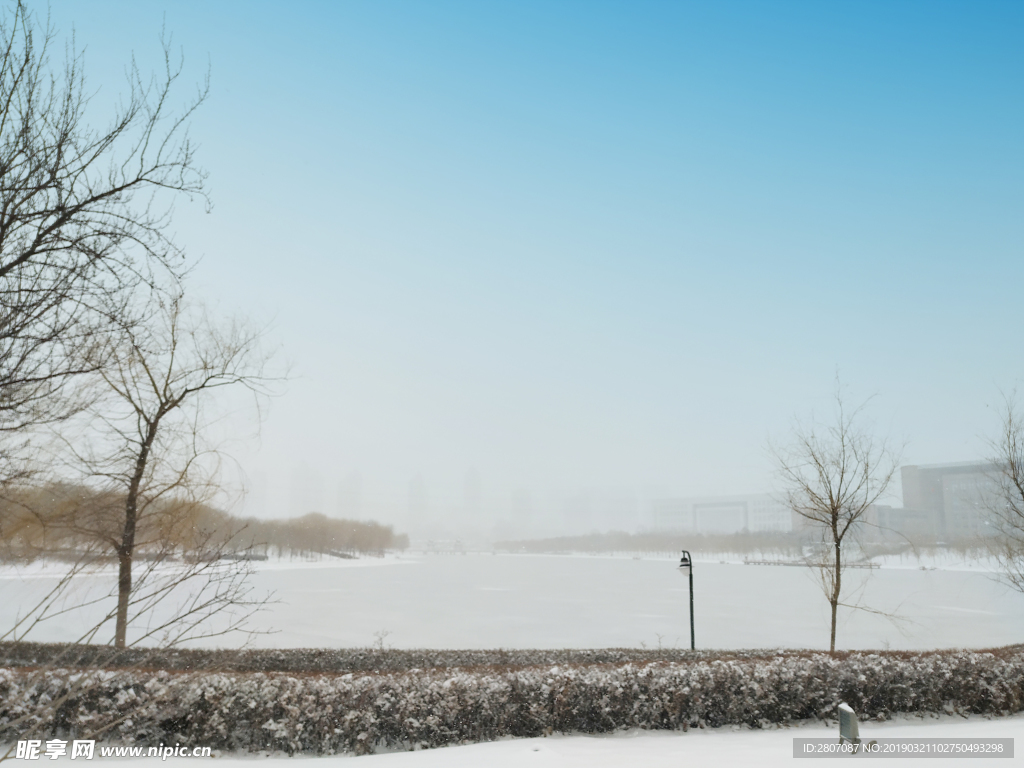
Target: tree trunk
point(124, 591)
point(837, 582)
point(126, 552)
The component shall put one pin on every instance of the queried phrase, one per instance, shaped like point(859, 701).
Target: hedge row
point(358, 713)
point(343, 660)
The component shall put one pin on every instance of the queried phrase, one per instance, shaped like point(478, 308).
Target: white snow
point(697, 748)
point(716, 748)
point(525, 601)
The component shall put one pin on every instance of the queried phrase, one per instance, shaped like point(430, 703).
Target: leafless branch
point(84, 217)
point(832, 473)
point(1006, 507)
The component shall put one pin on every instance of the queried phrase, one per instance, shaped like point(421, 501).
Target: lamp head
point(685, 563)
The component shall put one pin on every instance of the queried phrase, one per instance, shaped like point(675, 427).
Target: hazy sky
point(522, 251)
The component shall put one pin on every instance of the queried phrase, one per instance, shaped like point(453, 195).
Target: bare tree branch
point(144, 446)
point(84, 216)
point(1007, 507)
point(832, 473)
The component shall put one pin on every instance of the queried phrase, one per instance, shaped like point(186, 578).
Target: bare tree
point(84, 216)
point(192, 592)
point(146, 446)
point(1007, 506)
point(85, 210)
point(831, 475)
point(179, 586)
point(145, 469)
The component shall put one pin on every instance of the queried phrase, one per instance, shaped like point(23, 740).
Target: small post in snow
point(848, 728)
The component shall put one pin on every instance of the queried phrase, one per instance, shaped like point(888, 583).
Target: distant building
point(886, 522)
point(722, 514)
point(940, 501)
point(951, 501)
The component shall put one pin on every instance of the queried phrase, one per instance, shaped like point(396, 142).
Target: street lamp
point(686, 569)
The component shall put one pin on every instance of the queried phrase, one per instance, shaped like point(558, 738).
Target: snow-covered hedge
point(21, 654)
point(358, 712)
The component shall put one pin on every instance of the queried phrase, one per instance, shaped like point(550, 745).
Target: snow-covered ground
point(527, 601)
point(709, 747)
point(770, 748)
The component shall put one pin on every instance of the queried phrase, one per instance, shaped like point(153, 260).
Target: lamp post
point(686, 569)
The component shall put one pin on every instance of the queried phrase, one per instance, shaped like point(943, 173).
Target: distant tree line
point(317, 534)
point(67, 521)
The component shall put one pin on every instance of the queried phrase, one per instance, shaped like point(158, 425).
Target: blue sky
point(600, 248)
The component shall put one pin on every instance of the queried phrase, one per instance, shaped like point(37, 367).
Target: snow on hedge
point(341, 660)
point(359, 712)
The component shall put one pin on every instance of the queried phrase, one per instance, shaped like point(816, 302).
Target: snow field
point(536, 601)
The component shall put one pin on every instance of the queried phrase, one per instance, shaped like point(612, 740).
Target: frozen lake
point(523, 601)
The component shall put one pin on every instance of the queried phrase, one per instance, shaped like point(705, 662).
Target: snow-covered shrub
point(357, 712)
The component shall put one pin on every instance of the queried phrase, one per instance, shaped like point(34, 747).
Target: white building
point(957, 499)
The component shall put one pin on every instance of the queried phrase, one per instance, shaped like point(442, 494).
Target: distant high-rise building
point(956, 499)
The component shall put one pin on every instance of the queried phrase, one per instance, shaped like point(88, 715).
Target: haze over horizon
point(526, 256)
